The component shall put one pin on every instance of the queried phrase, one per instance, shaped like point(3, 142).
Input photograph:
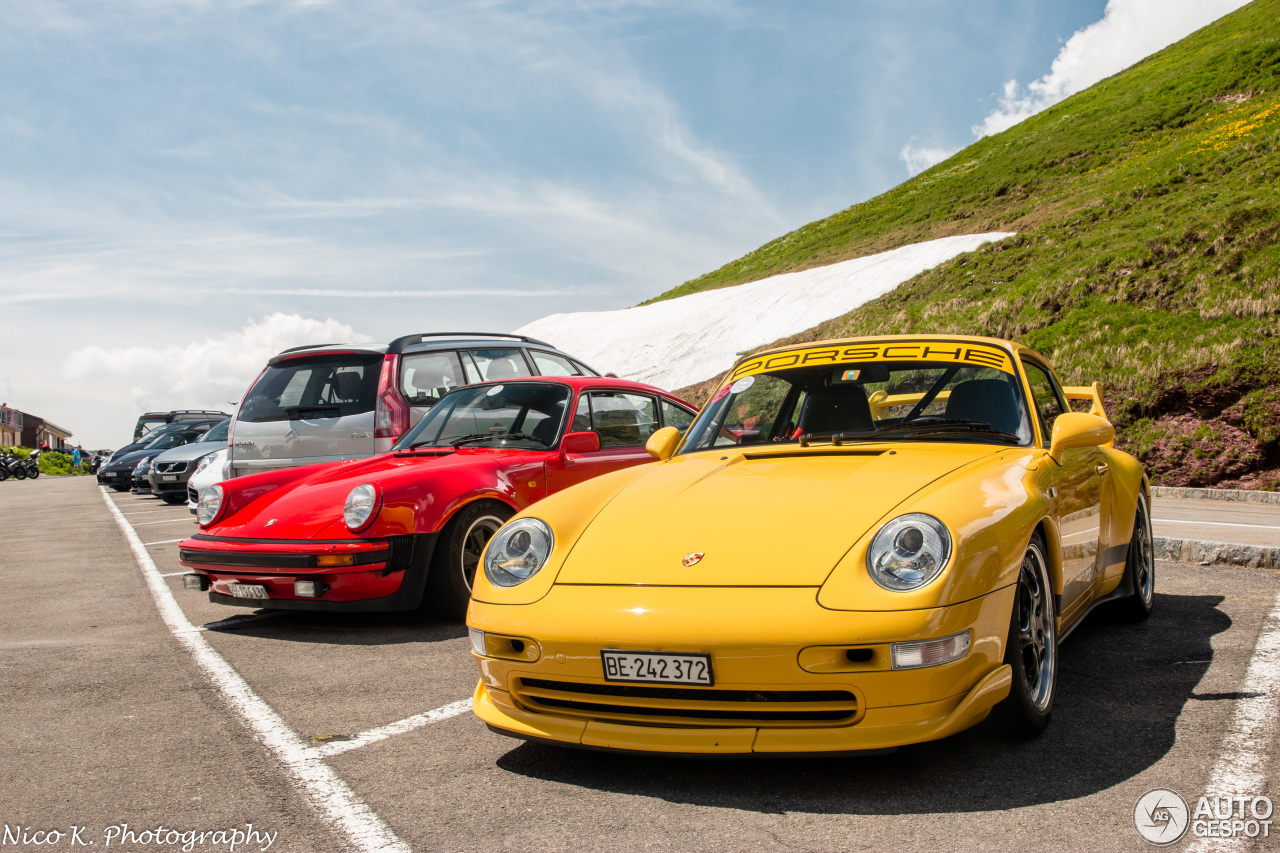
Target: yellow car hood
point(766, 518)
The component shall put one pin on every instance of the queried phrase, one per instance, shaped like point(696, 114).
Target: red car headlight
point(209, 508)
point(361, 506)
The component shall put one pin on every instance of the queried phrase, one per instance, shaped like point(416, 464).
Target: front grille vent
point(699, 706)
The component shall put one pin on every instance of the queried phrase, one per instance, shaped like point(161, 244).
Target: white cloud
point(202, 374)
point(921, 157)
point(1129, 31)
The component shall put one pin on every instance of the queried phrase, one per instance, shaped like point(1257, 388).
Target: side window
point(499, 363)
point(549, 364)
point(1047, 397)
point(673, 415)
point(426, 377)
point(583, 369)
point(623, 420)
point(582, 417)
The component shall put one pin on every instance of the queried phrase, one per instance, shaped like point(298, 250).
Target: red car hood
point(413, 485)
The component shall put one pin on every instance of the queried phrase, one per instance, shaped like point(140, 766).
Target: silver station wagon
point(347, 401)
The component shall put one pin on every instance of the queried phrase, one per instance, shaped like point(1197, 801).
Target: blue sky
point(186, 185)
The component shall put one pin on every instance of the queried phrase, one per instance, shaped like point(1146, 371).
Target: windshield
point(148, 424)
point(310, 387)
point(218, 432)
point(866, 401)
point(526, 414)
point(166, 440)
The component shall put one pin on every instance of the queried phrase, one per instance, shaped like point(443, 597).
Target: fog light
point(329, 560)
point(477, 641)
point(930, 652)
point(308, 589)
point(199, 582)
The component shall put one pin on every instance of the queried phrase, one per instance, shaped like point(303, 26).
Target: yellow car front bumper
point(784, 682)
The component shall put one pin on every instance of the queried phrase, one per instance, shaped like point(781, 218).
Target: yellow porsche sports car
point(857, 545)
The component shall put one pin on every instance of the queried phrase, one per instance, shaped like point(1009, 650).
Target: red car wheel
point(457, 557)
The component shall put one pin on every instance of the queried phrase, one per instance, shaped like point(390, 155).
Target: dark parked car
point(151, 420)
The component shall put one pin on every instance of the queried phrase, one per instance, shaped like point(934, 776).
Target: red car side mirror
point(579, 442)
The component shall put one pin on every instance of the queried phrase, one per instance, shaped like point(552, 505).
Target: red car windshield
point(526, 414)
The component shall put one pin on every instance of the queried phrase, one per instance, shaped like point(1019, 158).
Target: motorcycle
point(13, 466)
point(32, 465)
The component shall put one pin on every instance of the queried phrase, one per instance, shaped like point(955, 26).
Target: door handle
point(1100, 468)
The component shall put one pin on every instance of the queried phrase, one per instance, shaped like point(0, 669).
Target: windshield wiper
point(475, 436)
point(940, 427)
point(498, 435)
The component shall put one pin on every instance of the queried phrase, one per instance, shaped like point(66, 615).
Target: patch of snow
point(681, 341)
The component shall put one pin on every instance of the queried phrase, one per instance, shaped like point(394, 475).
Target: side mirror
point(1076, 429)
point(575, 443)
point(663, 443)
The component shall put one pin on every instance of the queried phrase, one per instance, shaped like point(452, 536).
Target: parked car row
point(855, 545)
point(160, 463)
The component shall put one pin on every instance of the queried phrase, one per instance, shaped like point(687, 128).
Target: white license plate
point(656, 667)
point(169, 478)
point(248, 590)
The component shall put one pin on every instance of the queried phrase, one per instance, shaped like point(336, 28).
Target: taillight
point(391, 413)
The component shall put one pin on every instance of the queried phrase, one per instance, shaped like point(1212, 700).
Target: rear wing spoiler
point(1092, 393)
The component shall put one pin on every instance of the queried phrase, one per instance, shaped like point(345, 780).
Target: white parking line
point(316, 781)
point(1242, 764)
point(408, 724)
point(153, 511)
point(162, 542)
point(188, 520)
point(1214, 523)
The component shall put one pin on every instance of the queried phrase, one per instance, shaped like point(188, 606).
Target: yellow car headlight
point(908, 552)
point(518, 551)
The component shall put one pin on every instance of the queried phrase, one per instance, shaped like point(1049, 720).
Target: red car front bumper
point(382, 574)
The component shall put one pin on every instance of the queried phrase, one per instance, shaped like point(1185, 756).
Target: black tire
point(33, 474)
point(173, 500)
point(1032, 647)
point(19, 473)
point(457, 556)
point(120, 488)
point(1139, 568)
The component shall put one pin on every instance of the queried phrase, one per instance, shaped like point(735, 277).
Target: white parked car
point(212, 469)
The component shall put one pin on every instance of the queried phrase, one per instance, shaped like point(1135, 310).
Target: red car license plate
point(248, 590)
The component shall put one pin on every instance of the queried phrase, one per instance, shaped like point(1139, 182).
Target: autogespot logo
point(1161, 816)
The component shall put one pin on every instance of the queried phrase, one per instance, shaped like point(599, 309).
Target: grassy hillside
point(1147, 255)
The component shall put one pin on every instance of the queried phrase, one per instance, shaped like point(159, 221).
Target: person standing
point(75, 460)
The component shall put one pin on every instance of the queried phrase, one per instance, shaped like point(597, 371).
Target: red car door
point(624, 420)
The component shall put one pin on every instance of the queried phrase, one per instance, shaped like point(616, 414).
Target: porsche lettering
point(959, 353)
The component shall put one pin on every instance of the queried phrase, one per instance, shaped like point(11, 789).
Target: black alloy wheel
point(1032, 646)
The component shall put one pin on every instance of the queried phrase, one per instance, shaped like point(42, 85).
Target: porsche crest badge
point(692, 559)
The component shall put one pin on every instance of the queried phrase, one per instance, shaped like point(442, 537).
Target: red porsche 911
point(407, 527)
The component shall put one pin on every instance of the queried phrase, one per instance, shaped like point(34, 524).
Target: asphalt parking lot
point(346, 733)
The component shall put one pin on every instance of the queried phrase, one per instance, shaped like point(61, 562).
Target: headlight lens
point(518, 551)
point(209, 505)
point(908, 552)
point(205, 462)
point(361, 504)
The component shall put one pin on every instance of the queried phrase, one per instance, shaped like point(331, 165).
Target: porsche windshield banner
point(955, 352)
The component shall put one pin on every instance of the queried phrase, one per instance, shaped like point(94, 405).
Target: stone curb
point(1242, 495)
point(1216, 553)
